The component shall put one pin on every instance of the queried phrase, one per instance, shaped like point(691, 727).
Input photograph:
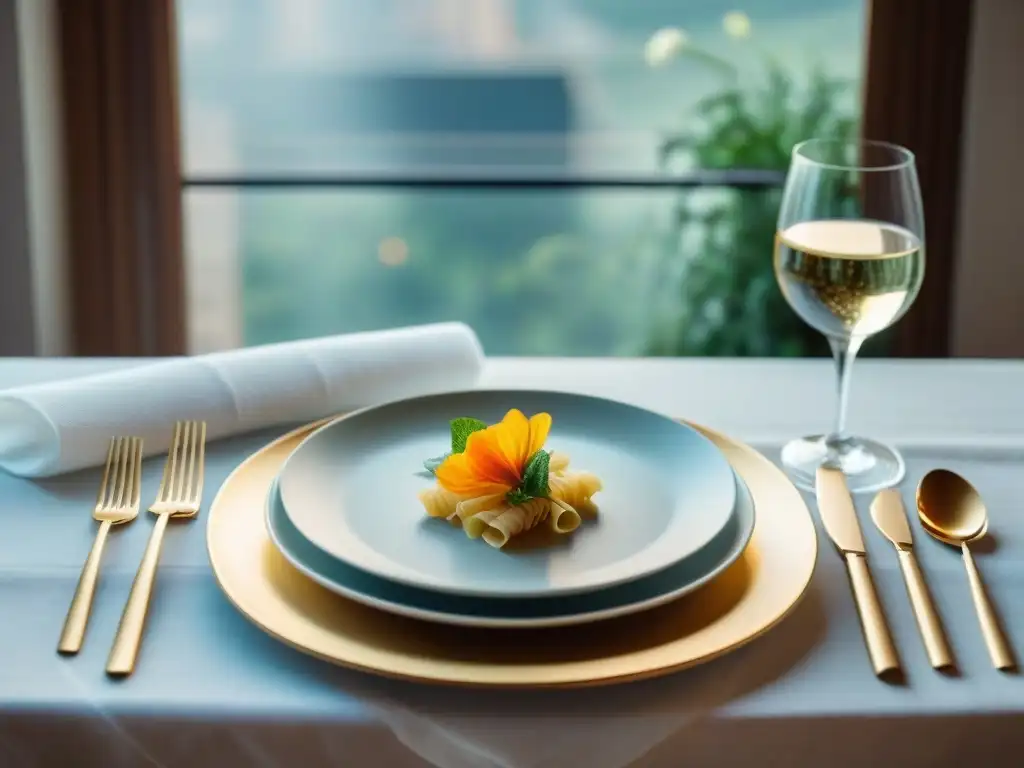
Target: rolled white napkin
point(57, 427)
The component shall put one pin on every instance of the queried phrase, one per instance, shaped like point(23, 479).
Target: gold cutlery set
point(951, 511)
point(179, 495)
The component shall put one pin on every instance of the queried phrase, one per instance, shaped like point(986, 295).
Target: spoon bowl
point(949, 506)
point(945, 539)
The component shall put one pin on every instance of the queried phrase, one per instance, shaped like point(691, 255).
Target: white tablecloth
point(212, 690)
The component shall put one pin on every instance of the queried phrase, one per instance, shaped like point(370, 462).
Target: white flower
point(736, 24)
point(664, 45)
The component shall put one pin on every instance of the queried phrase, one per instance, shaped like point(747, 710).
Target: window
point(570, 177)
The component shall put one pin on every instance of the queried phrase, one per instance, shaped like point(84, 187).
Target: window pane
point(606, 93)
point(534, 272)
point(317, 85)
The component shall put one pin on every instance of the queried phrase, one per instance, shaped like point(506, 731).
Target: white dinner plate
point(351, 490)
point(531, 612)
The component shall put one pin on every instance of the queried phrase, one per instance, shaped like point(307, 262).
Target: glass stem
point(844, 351)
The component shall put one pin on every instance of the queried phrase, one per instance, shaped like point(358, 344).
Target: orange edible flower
point(495, 457)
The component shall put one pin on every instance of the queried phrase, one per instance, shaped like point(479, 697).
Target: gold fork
point(180, 495)
point(117, 502)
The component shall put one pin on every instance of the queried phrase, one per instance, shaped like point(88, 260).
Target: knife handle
point(876, 631)
point(939, 653)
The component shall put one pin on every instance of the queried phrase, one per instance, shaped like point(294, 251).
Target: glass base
point(868, 465)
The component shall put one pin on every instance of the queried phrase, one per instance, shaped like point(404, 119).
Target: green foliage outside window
point(538, 272)
point(728, 302)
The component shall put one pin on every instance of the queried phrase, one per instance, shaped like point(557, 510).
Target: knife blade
point(838, 514)
point(890, 516)
point(839, 517)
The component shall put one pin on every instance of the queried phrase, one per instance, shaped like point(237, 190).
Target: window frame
point(125, 182)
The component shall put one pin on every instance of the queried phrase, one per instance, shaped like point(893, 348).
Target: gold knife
point(838, 515)
point(890, 516)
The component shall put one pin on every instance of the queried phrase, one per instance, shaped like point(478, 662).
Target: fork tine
point(186, 439)
point(198, 488)
point(172, 488)
point(165, 481)
point(136, 472)
point(115, 473)
point(122, 475)
point(106, 471)
point(176, 478)
point(186, 490)
point(128, 488)
point(183, 468)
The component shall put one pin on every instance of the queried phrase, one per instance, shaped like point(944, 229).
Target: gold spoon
point(943, 538)
point(952, 511)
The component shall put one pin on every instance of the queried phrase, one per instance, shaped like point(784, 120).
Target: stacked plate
point(672, 515)
point(320, 539)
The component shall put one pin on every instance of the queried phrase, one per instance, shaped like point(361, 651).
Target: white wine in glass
point(849, 258)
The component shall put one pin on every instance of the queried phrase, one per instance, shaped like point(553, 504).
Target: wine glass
point(849, 258)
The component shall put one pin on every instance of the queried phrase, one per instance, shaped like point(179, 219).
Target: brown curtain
point(123, 176)
point(914, 96)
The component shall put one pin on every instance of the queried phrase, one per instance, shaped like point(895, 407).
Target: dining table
point(212, 689)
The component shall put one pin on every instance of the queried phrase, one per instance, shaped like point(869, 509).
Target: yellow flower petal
point(540, 426)
point(457, 475)
point(487, 458)
point(514, 439)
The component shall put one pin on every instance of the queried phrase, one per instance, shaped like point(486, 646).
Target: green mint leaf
point(515, 497)
point(462, 428)
point(535, 475)
point(432, 464)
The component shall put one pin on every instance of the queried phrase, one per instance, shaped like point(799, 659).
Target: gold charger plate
point(747, 600)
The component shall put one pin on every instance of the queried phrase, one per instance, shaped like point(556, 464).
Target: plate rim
point(410, 579)
point(619, 609)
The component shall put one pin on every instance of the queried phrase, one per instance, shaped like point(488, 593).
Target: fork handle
point(78, 614)
point(129, 632)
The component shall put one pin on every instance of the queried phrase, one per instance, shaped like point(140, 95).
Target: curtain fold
point(914, 95)
point(121, 137)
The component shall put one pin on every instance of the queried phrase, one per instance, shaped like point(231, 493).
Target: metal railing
point(732, 178)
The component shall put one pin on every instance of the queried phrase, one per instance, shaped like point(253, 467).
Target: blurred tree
point(728, 303)
point(611, 273)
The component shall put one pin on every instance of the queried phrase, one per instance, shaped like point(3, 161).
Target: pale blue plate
point(649, 592)
point(351, 489)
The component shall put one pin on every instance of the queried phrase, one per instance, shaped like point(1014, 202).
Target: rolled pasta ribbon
point(496, 526)
point(467, 508)
point(563, 518)
point(575, 489)
point(558, 462)
point(439, 502)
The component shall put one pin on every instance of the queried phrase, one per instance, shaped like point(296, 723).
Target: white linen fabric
point(47, 429)
point(211, 689)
